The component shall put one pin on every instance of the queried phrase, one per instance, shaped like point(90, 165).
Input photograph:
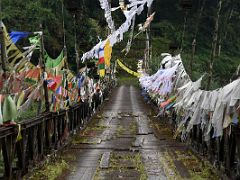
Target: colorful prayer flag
point(101, 62)
point(17, 35)
point(107, 53)
point(35, 40)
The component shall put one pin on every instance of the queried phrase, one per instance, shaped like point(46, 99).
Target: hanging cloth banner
point(136, 9)
point(16, 58)
point(9, 109)
point(101, 62)
point(33, 75)
point(35, 40)
point(16, 36)
point(52, 63)
point(54, 82)
point(125, 68)
point(107, 53)
point(129, 43)
point(147, 23)
point(106, 6)
point(55, 65)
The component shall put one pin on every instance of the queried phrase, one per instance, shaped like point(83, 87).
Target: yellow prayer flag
point(125, 68)
point(102, 72)
point(107, 53)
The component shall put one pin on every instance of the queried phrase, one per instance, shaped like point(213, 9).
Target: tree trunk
point(3, 48)
point(184, 30)
point(148, 42)
point(76, 47)
point(2, 42)
point(219, 47)
point(42, 64)
point(194, 43)
point(192, 58)
point(224, 28)
point(214, 45)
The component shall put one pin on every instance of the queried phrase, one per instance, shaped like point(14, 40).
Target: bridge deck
point(125, 141)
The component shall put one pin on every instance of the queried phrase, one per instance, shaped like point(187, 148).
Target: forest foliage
point(167, 28)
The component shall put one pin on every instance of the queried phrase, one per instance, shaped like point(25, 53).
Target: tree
point(214, 44)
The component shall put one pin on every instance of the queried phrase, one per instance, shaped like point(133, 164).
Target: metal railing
point(41, 136)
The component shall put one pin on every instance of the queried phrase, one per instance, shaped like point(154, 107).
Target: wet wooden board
point(182, 170)
point(149, 148)
point(104, 163)
point(91, 141)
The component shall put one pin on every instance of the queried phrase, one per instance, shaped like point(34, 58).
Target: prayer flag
point(101, 62)
point(16, 36)
point(107, 53)
point(35, 40)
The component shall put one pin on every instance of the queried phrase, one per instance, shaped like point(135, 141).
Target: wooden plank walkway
point(124, 141)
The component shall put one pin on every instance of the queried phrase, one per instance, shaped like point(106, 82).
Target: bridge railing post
point(41, 136)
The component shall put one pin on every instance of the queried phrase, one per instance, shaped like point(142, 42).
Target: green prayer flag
point(101, 66)
point(35, 40)
point(19, 136)
point(52, 63)
point(9, 109)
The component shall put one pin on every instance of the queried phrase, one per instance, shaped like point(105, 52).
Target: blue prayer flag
point(16, 35)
